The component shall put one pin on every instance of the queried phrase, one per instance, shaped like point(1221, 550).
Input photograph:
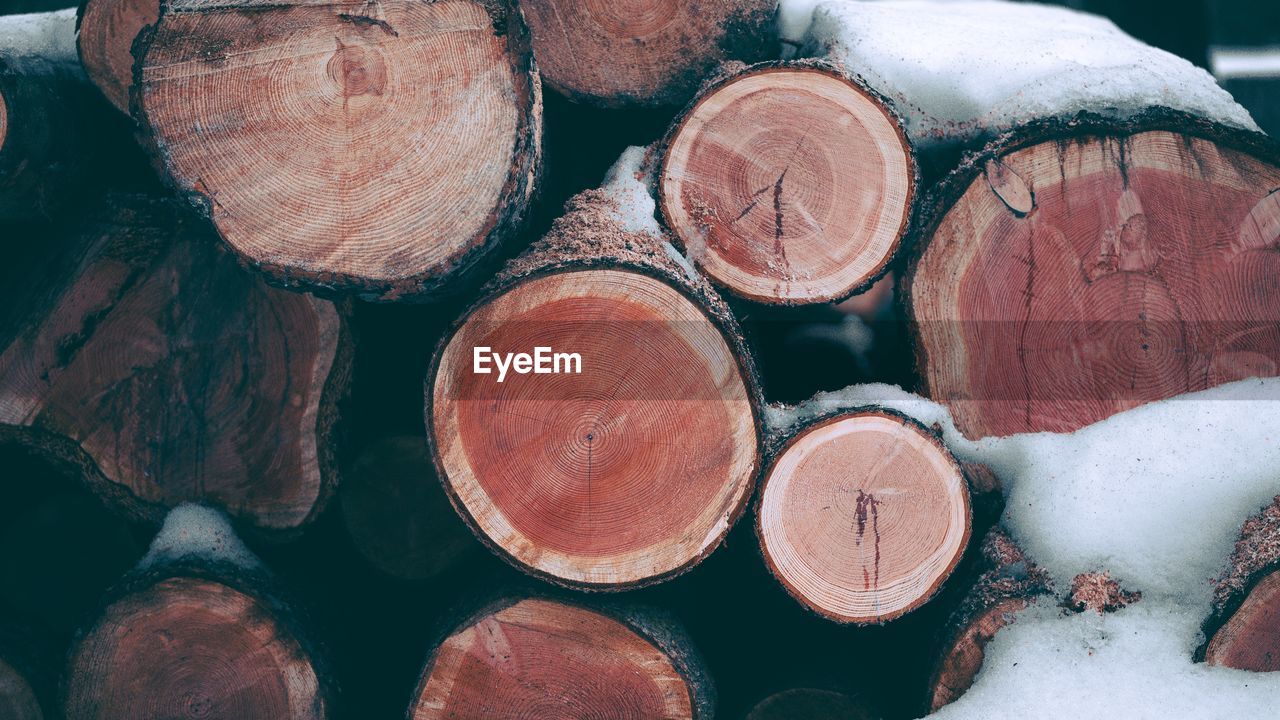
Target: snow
point(1230, 63)
point(961, 71)
point(1156, 496)
point(47, 36)
point(201, 532)
point(629, 183)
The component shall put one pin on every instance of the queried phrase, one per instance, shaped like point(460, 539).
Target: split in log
point(381, 149)
point(195, 631)
point(397, 514)
point(167, 373)
point(632, 470)
point(1008, 583)
point(535, 658)
point(105, 32)
point(1075, 270)
point(809, 704)
point(1244, 629)
point(789, 183)
point(642, 52)
point(863, 515)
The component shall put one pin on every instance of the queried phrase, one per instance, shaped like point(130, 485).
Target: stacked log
point(1243, 629)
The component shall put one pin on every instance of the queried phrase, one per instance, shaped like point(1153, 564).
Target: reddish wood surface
point(107, 29)
point(963, 659)
point(1244, 629)
point(1074, 279)
point(789, 184)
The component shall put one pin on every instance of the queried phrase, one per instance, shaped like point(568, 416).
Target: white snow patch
point(630, 184)
point(1230, 63)
point(191, 530)
point(48, 36)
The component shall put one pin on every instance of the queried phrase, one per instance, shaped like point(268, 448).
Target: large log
point(863, 514)
point(1075, 269)
point(105, 32)
point(537, 657)
point(631, 470)
point(139, 352)
point(197, 630)
point(789, 183)
point(1243, 629)
point(645, 52)
point(380, 149)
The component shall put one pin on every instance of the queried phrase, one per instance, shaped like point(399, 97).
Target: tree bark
point(1243, 629)
point(810, 704)
point(520, 654)
point(631, 470)
point(105, 32)
point(1073, 270)
point(138, 352)
point(789, 183)
point(380, 150)
point(863, 514)
point(650, 53)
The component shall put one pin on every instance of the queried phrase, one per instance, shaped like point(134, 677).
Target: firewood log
point(105, 32)
point(1243, 630)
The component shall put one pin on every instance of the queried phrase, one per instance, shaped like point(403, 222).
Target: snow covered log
point(139, 352)
point(789, 183)
point(622, 455)
point(810, 704)
point(536, 657)
point(1075, 269)
point(397, 514)
point(42, 92)
point(1008, 582)
point(196, 630)
point(1243, 631)
point(643, 52)
point(105, 31)
point(378, 149)
point(889, 479)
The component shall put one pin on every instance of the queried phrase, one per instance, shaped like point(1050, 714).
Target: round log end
point(960, 661)
point(540, 658)
point(789, 184)
point(17, 699)
point(619, 475)
point(4, 119)
point(225, 654)
point(1250, 638)
point(863, 516)
point(809, 704)
point(107, 29)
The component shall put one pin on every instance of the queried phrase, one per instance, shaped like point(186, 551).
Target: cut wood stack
point(1243, 631)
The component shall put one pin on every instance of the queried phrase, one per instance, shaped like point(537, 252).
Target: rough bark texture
point(534, 655)
point(1243, 630)
point(139, 352)
point(384, 150)
point(105, 32)
point(601, 454)
point(1075, 269)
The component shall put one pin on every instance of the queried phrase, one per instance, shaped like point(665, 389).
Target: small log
point(1076, 269)
point(863, 515)
point(650, 53)
point(144, 356)
point(1008, 582)
point(105, 31)
point(535, 657)
point(380, 149)
point(789, 183)
point(810, 704)
point(631, 470)
point(1243, 630)
point(397, 514)
point(195, 631)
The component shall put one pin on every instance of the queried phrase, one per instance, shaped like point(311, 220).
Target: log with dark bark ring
point(1243, 630)
point(290, 124)
point(532, 657)
point(863, 515)
point(634, 469)
point(642, 52)
point(105, 31)
point(789, 183)
point(144, 355)
point(1075, 269)
point(810, 704)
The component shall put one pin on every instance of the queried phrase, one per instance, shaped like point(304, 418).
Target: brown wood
point(1243, 630)
point(863, 515)
point(1075, 270)
point(17, 699)
point(143, 354)
point(629, 472)
point(105, 31)
point(379, 149)
point(1008, 582)
point(533, 657)
point(789, 183)
point(642, 52)
point(809, 704)
point(397, 514)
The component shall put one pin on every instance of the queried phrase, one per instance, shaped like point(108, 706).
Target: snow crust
point(961, 71)
point(49, 36)
point(196, 531)
point(630, 183)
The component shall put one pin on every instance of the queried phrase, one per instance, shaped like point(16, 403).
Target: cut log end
point(350, 197)
point(809, 704)
point(18, 700)
point(107, 29)
point(617, 476)
point(789, 184)
point(863, 516)
point(644, 52)
point(539, 658)
point(1069, 280)
point(962, 659)
point(233, 659)
point(1250, 639)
